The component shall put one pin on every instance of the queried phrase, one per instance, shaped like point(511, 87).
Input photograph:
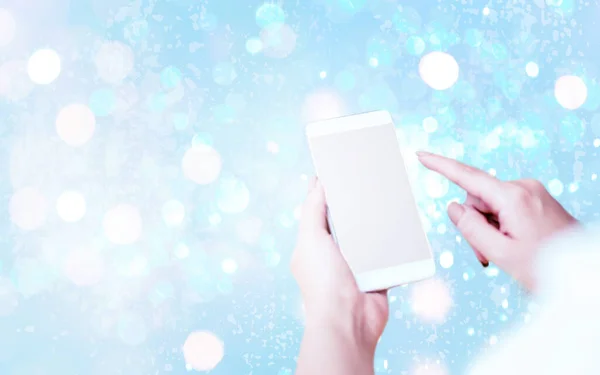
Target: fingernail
point(423, 153)
point(455, 212)
point(485, 264)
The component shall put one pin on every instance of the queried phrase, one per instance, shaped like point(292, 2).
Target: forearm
point(335, 348)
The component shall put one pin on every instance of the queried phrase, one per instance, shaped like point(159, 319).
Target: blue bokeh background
point(241, 76)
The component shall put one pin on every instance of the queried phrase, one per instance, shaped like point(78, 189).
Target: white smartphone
point(372, 213)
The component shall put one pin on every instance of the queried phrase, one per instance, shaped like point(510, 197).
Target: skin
point(343, 324)
point(504, 222)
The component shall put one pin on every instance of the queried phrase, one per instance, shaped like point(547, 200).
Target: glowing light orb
point(270, 14)
point(28, 208)
point(415, 45)
point(555, 187)
point(441, 229)
point(75, 124)
point(233, 196)
point(44, 66)
point(132, 329)
point(491, 142)
point(71, 206)
point(381, 50)
point(84, 268)
point(446, 259)
point(201, 164)
point(438, 70)
point(430, 124)
point(570, 92)
point(573, 187)
point(229, 266)
point(435, 185)
point(203, 351)
point(532, 69)
point(272, 147)
point(323, 104)
point(8, 27)
point(122, 224)
point(173, 213)
point(272, 258)
point(181, 251)
point(114, 62)
point(134, 265)
point(170, 77)
point(431, 301)
point(215, 219)
point(254, 45)
point(278, 42)
point(224, 113)
point(491, 271)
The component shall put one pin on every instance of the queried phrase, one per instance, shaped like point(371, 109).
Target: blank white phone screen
point(371, 205)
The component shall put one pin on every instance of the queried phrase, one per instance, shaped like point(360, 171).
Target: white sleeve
point(563, 336)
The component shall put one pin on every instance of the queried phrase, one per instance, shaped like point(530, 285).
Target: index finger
point(475, 181)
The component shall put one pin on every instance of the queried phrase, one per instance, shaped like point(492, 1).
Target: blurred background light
point(44, 66)
point(75, 124)
point(122, 224)
point(71, 206)
point(201, 164)
point(156, 164)
point(570, 91)
point(439, 70)
point(28, 208)
point(202, 351)
point(8, 27)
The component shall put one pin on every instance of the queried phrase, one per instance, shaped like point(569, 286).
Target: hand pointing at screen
point(503, 221)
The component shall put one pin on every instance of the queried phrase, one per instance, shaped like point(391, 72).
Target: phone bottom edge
point(386, 278)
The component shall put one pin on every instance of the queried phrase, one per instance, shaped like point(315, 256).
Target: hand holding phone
point(372, 213)
point(340, 320)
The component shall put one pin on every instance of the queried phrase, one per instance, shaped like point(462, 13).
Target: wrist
point(334, 346)
point(345, 320)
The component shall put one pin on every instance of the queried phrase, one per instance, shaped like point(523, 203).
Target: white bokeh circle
point(439, 70)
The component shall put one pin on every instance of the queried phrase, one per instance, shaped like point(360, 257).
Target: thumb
point(314, 212)
point(481, 235)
